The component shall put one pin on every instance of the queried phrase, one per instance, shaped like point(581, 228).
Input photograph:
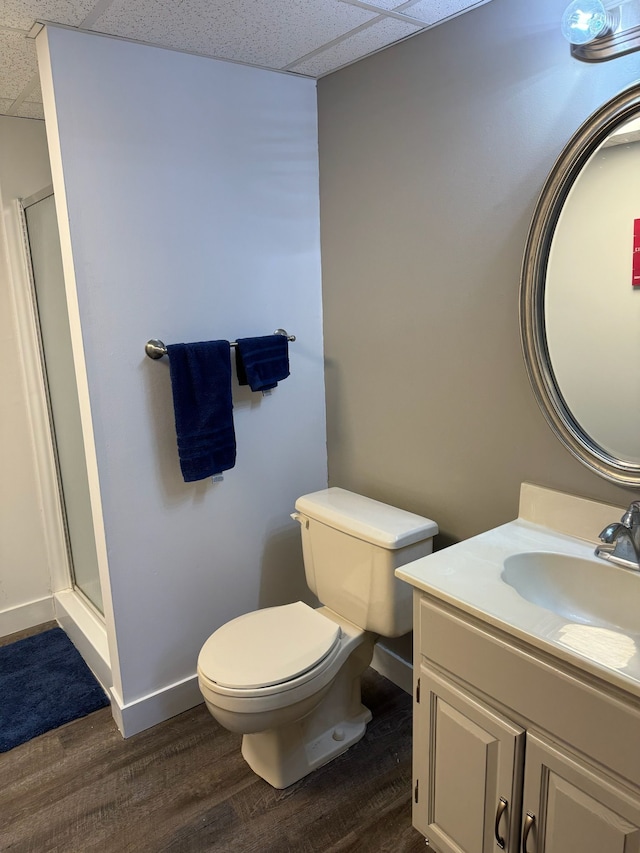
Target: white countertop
point(468, 575)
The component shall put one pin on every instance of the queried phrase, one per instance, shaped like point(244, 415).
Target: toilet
point(288, 678)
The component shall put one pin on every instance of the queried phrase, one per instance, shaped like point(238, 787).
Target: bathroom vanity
point(527, 687)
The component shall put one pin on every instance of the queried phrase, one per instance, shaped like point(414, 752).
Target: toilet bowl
point(285, 678)
point(288, 678)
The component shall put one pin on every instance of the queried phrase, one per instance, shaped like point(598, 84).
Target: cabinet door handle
point(502, 805)
point(529, 820)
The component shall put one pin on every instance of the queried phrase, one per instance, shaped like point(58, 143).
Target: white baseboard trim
point(27, 615)
point(141, 714)
point(393, 666)
point(86, 631)
point(147, 711)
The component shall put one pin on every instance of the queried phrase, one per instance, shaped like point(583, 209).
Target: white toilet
point(288, 677)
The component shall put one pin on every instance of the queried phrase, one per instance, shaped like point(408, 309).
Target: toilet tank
point(351, 547)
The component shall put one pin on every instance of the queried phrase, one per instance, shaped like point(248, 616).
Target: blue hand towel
point(262, 362)
point(201, 387)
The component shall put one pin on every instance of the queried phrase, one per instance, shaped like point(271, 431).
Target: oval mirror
point(580, 293)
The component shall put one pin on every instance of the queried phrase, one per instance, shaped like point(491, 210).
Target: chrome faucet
point(621, 540)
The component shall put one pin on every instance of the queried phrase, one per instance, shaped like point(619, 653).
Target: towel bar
point(156, 349)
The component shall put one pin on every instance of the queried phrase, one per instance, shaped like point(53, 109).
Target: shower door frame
point(82, 621)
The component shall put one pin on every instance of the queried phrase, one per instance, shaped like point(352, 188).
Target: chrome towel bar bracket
point(156, 349)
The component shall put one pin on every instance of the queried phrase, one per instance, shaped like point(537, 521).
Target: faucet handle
point(631, 518)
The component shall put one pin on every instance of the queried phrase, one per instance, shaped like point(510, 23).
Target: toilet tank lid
point(367, 519)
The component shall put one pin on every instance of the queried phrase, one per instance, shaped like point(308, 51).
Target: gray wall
point(432, 154)
point(25, 585)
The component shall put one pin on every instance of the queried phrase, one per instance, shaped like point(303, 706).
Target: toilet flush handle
point(301, 519)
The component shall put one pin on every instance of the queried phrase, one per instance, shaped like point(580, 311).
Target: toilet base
point(281, 757)
point(284, 755)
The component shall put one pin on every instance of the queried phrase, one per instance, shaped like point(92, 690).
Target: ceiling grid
point(311, 38)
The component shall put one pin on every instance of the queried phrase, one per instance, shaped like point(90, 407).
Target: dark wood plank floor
point(183, 787)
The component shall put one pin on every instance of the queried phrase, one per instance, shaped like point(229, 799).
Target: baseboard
point(26, 616)
point(394, 663)
point(87, 632)
point(148, 711)
point(141, 714)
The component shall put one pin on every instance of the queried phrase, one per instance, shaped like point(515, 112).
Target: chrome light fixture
point(597, 33)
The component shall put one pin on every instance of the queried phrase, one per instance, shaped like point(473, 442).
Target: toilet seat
point(269, 650)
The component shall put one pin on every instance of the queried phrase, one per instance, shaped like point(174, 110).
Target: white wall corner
point(60, 192)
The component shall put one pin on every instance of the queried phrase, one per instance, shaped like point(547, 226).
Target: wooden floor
point(184, 787)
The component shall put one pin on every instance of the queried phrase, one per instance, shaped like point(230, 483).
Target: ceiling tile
point(430, 11)
point(273, 33)
point(384, 5)
point(312, 37)
point(29, 109)
point(18, 63)
point(368, 40)
point(22, 13)
point(435, 11)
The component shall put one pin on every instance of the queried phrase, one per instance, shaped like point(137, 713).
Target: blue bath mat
point(44, 683)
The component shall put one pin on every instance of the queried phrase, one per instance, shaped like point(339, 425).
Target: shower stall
point(78, 597)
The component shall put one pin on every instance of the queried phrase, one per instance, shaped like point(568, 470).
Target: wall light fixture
point(597, 33)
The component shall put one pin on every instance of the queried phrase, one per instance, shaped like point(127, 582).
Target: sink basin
point(590, 592)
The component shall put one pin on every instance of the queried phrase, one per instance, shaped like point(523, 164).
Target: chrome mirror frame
point(589, 136)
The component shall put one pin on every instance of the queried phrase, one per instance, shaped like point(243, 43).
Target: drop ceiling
point(307, 37)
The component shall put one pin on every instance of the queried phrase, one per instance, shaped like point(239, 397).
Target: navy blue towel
point(262, 362)
point(201, 386)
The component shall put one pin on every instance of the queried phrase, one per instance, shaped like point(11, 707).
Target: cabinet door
point(568, 806)
point(466, 758)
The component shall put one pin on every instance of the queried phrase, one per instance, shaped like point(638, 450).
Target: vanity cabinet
point(468, 761)
point(570, 806)
point(512, 750)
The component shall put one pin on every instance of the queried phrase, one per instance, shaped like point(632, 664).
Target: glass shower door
point(64, 409)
